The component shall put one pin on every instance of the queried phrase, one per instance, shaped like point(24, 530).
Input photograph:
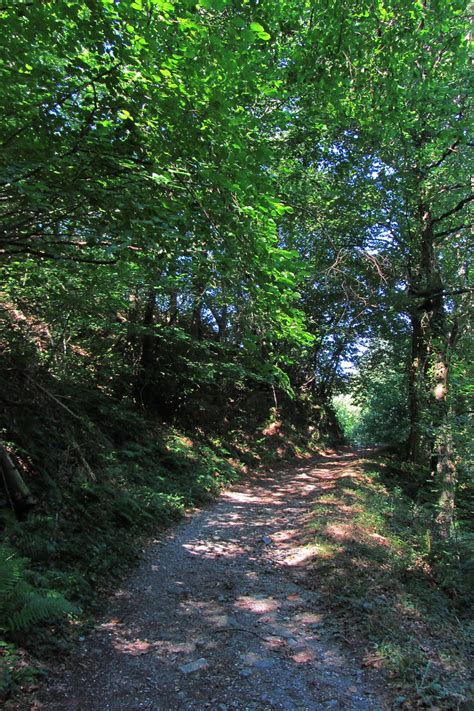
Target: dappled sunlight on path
point(219, 617)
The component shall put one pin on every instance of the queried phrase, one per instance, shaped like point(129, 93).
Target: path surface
point(218, 615)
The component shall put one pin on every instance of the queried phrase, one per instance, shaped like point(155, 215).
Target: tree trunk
point(415, 384)
point(173, 308)
point(147, 355)
point(430, 427)
point(148, 340)
point(427, 325)
point(173, 303)
point(443, 465)
point(196, 320)
point(17, 491)
point(199, 288)
point(220, 318)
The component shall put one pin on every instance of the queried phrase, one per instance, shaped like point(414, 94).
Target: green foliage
point(375, 560)
point(140, 474)
point(23, 605)
point(14, 671)
point(348, 415)
point(375, 411)
point(453, 562)
point(383, 417)
point(207, 211)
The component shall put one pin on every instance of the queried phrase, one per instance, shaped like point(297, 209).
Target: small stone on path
point(179, 590)
point(194, 666)
point(263, 663)
point(282, 632)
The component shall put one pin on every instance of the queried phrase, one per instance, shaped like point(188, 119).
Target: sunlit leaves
point(259, 31)
point(124, 114)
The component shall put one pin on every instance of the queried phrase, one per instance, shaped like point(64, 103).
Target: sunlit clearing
point(301, 556)
point(256, 604)
point(246, 498)
point(214, 549)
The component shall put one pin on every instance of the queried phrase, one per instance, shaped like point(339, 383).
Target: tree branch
point(51, 255)
point(53, 397)
point(439, 292)
point(445, 233)
point(455, 209)
point(61, 99)
point(447, 152)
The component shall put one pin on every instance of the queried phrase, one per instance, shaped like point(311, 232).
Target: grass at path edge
point(82, 538)
point(372, 558)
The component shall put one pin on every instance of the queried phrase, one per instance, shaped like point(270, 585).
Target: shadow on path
point(218, 616)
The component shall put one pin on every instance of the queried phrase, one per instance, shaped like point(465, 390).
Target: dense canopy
point(214, 213)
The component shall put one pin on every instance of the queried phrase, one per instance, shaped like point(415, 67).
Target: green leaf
point(260, 31)
point(125, 114)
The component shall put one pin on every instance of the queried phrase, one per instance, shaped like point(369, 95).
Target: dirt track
point(218, 615)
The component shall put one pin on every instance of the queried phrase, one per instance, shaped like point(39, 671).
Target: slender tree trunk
point(444, 472)
point(427, 320)
point(173, 308)
point(221, 321)
point(428, 389)
point(17, 491)
point(196, 320)
point(132, 320)
point(199, 288)
point(147, 354)
point(148, 340)
point(173, 305)
point(415, 387)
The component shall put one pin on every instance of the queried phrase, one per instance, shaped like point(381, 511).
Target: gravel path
point(218, 615)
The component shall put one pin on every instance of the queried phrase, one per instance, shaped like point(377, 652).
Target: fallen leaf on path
point(306, 655)
point(373, 661)
point(135, 648)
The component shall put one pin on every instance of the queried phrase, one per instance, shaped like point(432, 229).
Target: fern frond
point(39, 606)
point(21, 604)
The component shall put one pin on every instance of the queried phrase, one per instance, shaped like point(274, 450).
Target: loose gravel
point(218, 615)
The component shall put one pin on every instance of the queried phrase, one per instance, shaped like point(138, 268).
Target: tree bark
point(148, 340)
point(147, 354)
point(417, 358)
point(444, 469)
point(199, 288)
point(220, 318)
point(430, 426)
point(17, 491)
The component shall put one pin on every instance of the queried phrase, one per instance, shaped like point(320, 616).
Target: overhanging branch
point(446, 233)
point(455, 209)
point(57, 257)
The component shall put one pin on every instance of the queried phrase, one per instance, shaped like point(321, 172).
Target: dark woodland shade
point(213, 219)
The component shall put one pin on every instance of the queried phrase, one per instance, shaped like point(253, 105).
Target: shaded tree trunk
point(17, 491)
point(220, 318)
point(148, 339)
point(415, 378)
point(444, 469)
point(199, 289)
point(430, 428)
point(147, 353)
point(196, 320)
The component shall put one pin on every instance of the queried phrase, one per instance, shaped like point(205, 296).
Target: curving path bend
point(218, 615)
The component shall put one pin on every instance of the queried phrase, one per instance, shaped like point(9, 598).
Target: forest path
point(218, 615)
